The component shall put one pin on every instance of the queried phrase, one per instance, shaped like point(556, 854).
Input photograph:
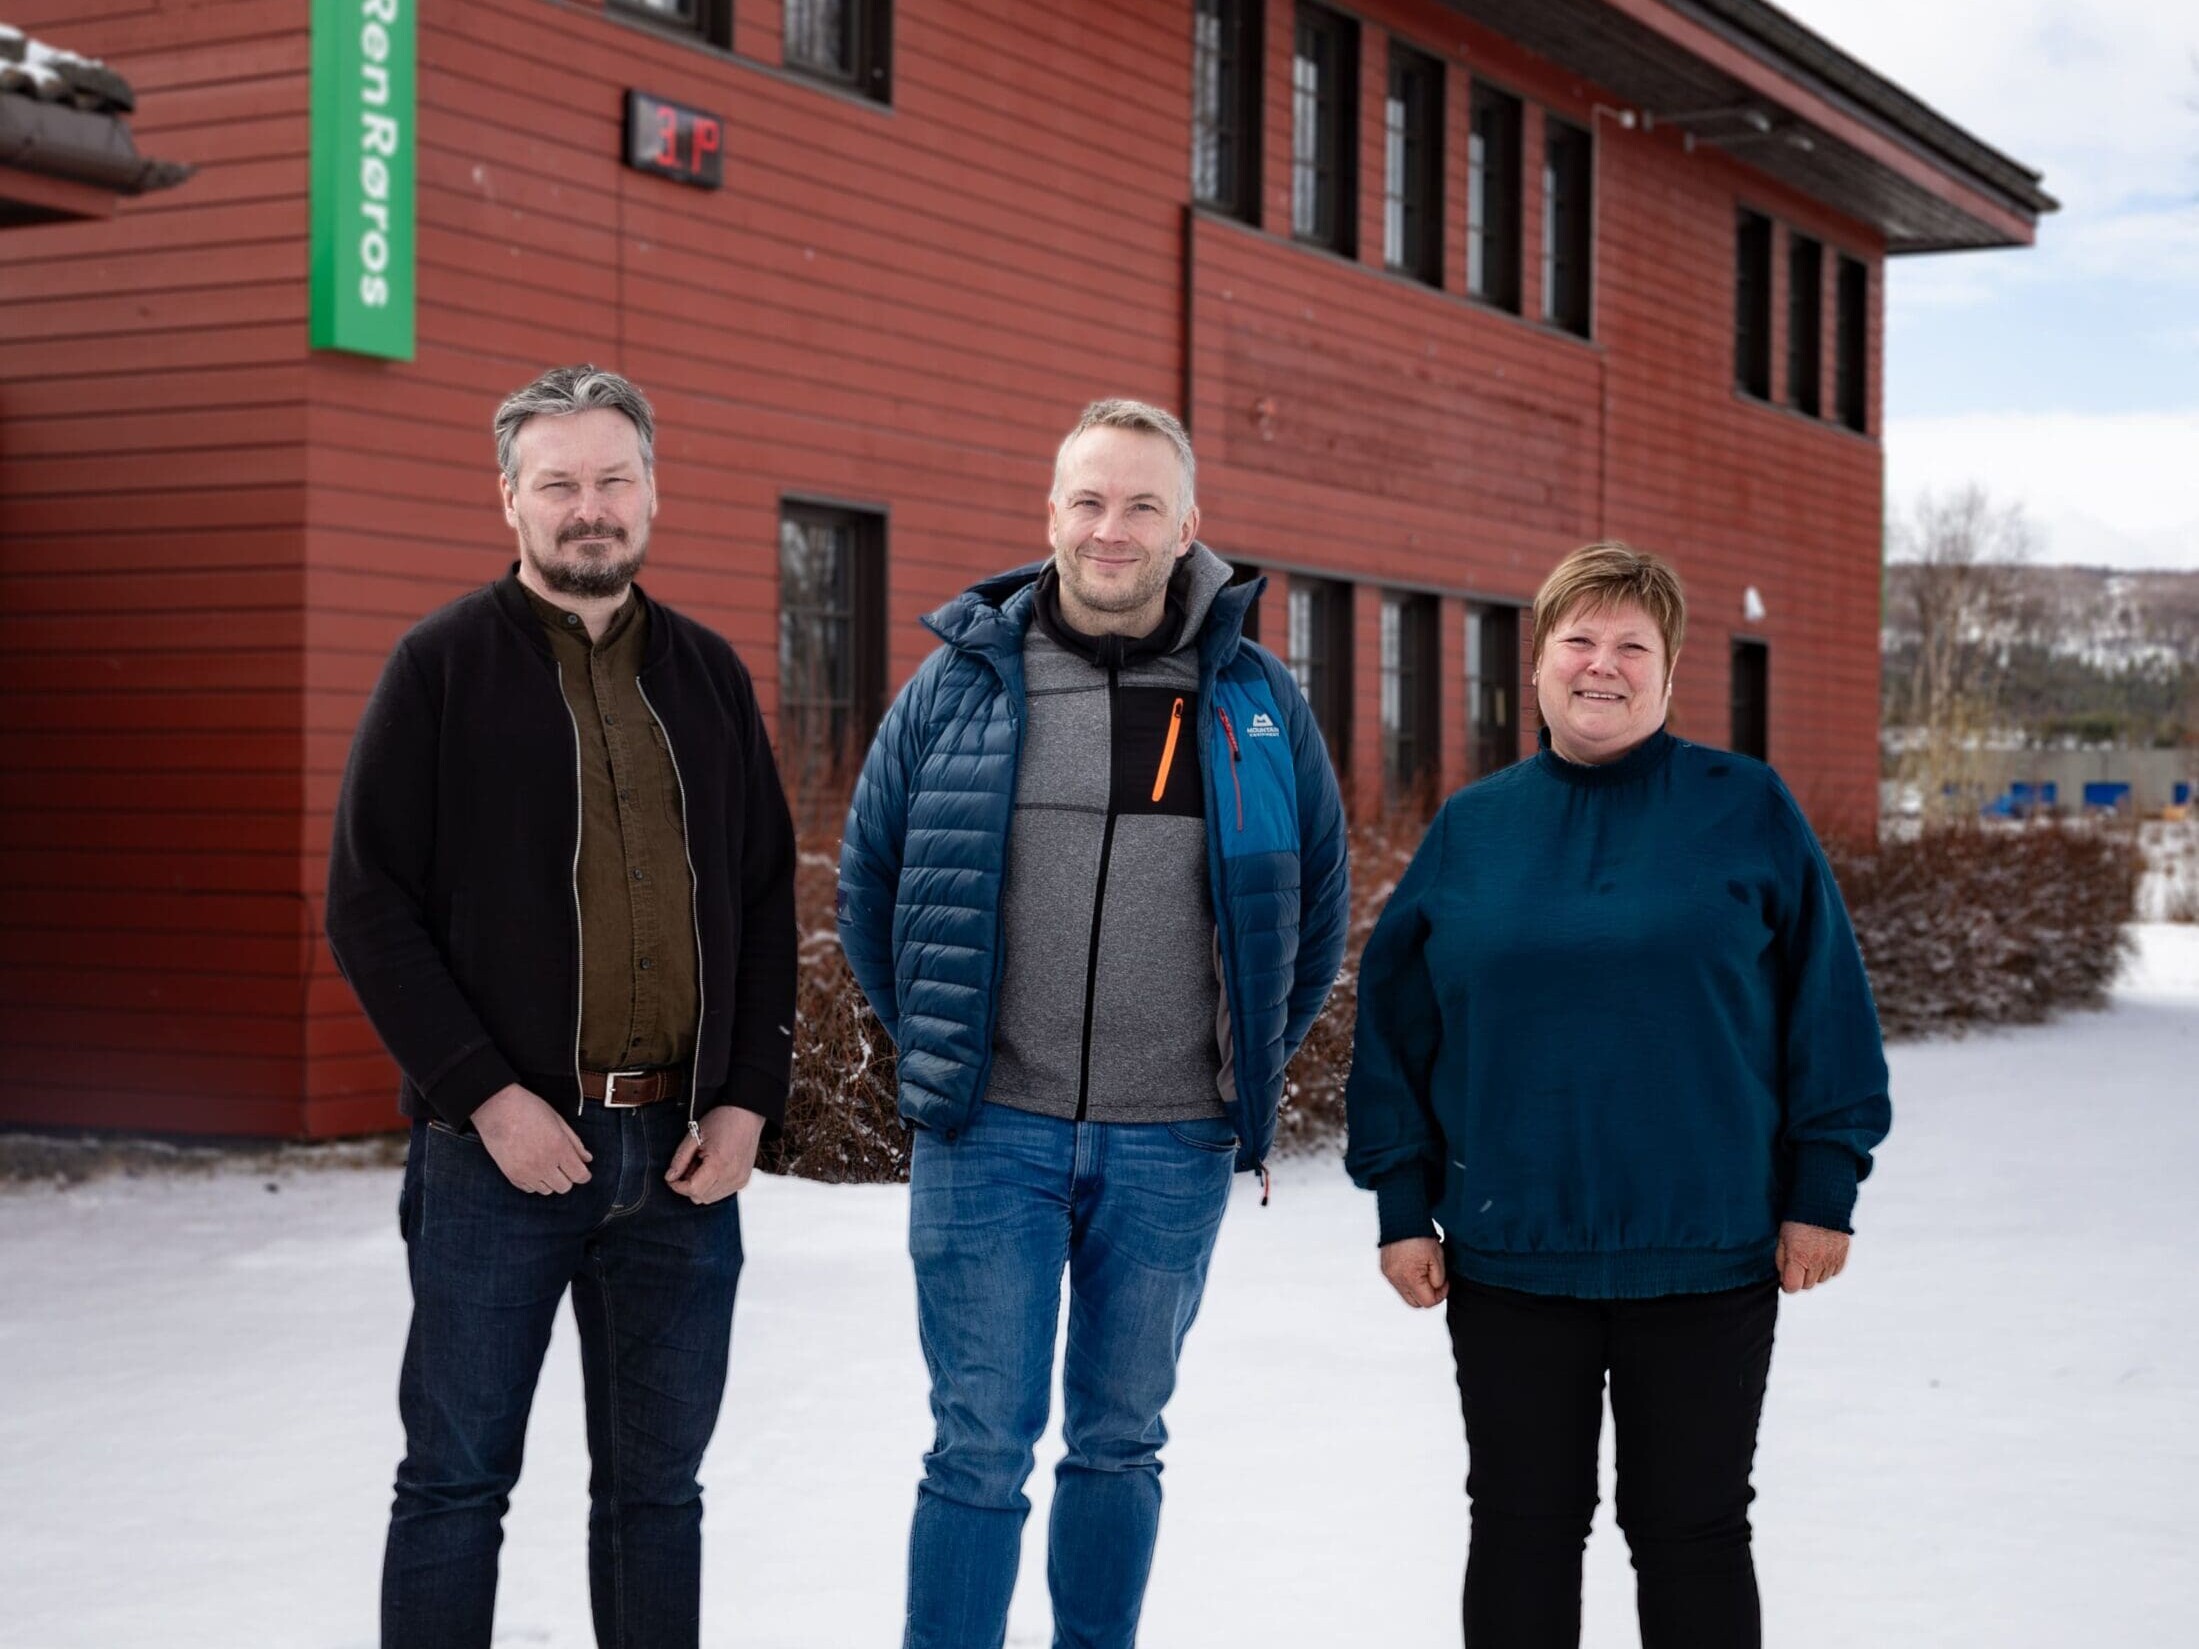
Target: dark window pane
point(1412, 206)
point(1324, 129)
point(831, 636)
point(1752, 304)
point(711, 19)
point(1805, 323)
point(1852, 344)
point(1225, 106)
point(1567, 223)
point(843, 40)
point(1409, 704)
point(1319, 655)
point(1492, 687)
point(1492, 199)
point(1752, 699)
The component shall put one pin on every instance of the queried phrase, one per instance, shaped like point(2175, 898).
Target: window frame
point(1568, 227)
point(1752, 254)
point(711, 22)
point(1852, 345)
point(1805, 324)
point(1496, 679)
point(1493, 225)
point(1412, 165)
point(1240, 26)
point(1319, 656)
point(1411, 713)
point(868, 71)
point(1330, 151)
point(1748, 698)
point(865, 622)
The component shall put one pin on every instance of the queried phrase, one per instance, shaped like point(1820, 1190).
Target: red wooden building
point(1445, 289)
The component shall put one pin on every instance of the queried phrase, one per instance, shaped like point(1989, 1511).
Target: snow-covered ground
point(1986, 1433)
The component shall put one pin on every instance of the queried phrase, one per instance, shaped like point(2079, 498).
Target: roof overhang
point(1742, 76)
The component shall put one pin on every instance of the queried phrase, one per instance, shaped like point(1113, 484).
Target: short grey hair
point(564, 390)
point(1144, 419)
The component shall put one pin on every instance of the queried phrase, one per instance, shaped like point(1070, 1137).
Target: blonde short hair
point(1141, 418)
point(1611, 574)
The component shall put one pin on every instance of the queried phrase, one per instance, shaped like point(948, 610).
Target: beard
point(596, 571)
point(1152, 578)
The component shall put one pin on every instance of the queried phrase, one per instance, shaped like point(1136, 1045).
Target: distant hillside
point(2080, 654)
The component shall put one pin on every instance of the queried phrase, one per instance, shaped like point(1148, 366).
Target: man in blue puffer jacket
point(1094, 886)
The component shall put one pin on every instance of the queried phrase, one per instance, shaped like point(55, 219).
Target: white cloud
point(2120, 489)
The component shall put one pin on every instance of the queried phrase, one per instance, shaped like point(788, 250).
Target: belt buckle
point(610, 1091)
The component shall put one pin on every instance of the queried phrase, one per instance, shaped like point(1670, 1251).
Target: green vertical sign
point(364, 55)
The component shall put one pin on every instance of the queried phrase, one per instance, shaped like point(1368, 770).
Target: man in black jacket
point(562, 885)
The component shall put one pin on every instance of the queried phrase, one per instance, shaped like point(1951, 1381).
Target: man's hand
point(1414, 1268)
point(1808, 1255)
point(716, 1166)
point(530, 1142)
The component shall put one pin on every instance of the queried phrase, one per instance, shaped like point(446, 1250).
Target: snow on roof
point(31, 68)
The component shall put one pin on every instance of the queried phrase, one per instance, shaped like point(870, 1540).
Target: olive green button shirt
point(639, 999)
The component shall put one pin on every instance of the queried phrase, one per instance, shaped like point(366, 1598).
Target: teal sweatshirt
point(1614, 1028)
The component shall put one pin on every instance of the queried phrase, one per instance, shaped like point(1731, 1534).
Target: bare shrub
point(1963, 925)
point(842, 1122)
point(1312, 1117)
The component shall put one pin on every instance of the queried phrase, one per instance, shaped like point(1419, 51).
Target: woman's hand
point(1806, 1256)
point(1414, 1268)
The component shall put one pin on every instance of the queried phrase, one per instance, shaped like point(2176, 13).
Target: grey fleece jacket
point(1111, 1002)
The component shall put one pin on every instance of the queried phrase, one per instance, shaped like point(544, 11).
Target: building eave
point(1794, 107)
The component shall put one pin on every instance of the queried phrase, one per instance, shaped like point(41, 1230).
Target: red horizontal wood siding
point(210, 538)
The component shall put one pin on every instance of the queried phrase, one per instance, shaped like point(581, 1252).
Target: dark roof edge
point(79, 146)
point(1801, 52)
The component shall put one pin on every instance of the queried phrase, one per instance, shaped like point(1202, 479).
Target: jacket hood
point(992, 616)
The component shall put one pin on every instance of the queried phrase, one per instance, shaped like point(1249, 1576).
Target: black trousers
point(1687, 1386)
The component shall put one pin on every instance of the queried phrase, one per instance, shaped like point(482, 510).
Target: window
point(711, 19)
point(1492, 687)
point(1412, 202)
point(1410, 710)
point(1492, 199)
point(1752, 304)
point(1567, 223)
point(1805, 323)
point(1752, 699)
point(832, 637)
point(1225, 111)
point(1851, 345)
point(1240, 573)
point(842, 40)
point(1320, 658)
point(1324, 147)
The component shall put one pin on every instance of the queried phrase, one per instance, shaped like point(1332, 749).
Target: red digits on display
point(668, 136)
point(706, 140)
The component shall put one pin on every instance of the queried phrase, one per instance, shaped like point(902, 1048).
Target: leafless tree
point(1958, 557)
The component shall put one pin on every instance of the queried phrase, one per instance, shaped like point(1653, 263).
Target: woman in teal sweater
point(1616, 1041)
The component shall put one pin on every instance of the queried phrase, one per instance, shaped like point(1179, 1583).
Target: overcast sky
point(2064, 375)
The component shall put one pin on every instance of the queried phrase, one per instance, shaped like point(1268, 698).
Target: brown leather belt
point(628, 1090)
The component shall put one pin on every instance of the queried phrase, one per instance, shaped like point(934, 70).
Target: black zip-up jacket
point(452, 905)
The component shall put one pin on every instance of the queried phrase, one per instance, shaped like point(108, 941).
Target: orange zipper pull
point(1168, 750)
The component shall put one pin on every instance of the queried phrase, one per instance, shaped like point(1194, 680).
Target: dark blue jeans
point(996, 1215)
point(652, 1278)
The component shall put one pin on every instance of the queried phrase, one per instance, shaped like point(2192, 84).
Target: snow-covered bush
point(1967, 925)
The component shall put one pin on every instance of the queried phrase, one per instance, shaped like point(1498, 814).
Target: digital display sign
point(674, 141)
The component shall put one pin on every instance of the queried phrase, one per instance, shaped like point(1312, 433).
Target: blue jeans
point(652, 1279)
point(995, 1216)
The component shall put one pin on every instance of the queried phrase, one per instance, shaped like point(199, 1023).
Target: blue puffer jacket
point(927, 845)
